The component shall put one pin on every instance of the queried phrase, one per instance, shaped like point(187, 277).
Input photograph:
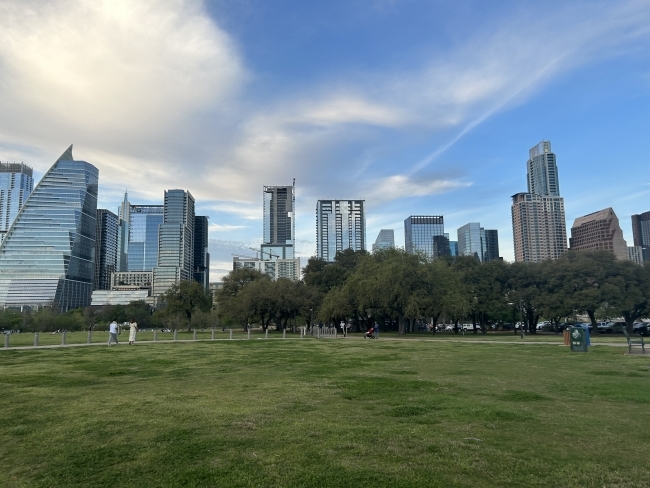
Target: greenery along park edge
point(392, 287)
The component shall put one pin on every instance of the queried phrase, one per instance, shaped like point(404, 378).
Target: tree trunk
point(629, 322)
point(401, 321)
point(592, 319)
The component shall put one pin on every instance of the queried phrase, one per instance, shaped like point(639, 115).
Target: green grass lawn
point(324, 413)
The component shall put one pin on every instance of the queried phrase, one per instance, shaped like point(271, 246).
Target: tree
point(629, 291)
point(185, 298)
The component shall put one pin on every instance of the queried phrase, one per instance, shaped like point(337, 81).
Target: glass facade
point(641, 233)
point(491, 251)
point(385, 240)
point(106, 250)
point(542, 171)
point(142, 252)
point(16, 183)
point(419, 231)
point(201, 255)
point(47, 257)
point(340, 224)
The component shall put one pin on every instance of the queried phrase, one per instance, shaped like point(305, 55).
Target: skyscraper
point(106, 248)
point(279, 222)
point(538, 220)
point(474, 240)
point(201, 255)
point(491, 249)
point(340, 225)
point(599, 230)
point(142, 250)
point(419, 233)
point(641, 233)
point(385, 240)
point(16, 183)
point(123, 213)
point(441, 246)
point(47, 257)
point(175, 242)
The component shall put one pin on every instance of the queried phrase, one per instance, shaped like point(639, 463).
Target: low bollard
point(175, 334)
point(35, 339)
point(284, 333)
point(335, 333)
point(249, 334)
point(231, 334)
point(318, 333)
point(155, 335)
point(90, 337)
point(194, 337)
point(266, 335)
point(212, 334)
point(63, 338)
point(6, 341)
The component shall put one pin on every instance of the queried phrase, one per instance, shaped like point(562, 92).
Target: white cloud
point(400, 186)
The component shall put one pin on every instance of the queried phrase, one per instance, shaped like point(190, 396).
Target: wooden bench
point(631, 342)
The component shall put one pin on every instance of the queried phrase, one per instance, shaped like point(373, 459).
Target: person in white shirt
point(112, 333)
point(133, 330)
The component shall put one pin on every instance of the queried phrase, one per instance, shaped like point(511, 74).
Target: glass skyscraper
point(542, 171)
point(106, 248)
point(419, 233)
point(641, 233)
point(142, 251)
point(385, 240)
point(340, 225)
point(175, 242)
point(279, 223)
point(47, 257)
point(201, 254)
point(16, 183)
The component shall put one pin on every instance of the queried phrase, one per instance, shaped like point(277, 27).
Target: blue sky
point(420, 107)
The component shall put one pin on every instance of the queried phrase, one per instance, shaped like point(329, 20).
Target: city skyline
point(418, 108)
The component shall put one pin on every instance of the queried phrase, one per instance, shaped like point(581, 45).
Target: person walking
point(133, 329)
point(376, 330)
point(342, 325)
point(112, 333)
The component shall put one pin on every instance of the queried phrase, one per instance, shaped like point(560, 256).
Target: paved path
point(394, 339)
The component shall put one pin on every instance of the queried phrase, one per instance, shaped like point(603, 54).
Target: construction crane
point(270, 254)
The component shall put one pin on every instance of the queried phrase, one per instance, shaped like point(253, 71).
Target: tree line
point(399, 290)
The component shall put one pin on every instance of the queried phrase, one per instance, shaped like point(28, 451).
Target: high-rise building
point(123, 214)
point(201, 254)
point(441, 246)
point(385, 240)
point(47, 257)
point(491, 249)
point(276, 268)
point(106, 248)
point(419, 231)
point(474, 240)
point(175, 242)
point(641, 233)
point(542, 171)
point(635, 254)
point(453, 248)
point(142, 250)
point(538, 221)
point(279, 222)
point(16, 183)
point(599, 230)
point(340, 225)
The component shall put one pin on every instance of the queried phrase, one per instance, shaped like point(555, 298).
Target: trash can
point(579, 339)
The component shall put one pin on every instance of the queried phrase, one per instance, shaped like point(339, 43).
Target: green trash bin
point(579, 339)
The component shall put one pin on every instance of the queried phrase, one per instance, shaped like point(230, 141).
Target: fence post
point(212, 333)
point(90, 337)
point(249, 334)
point(175, 334)
point(194, 338)
point(284, 333)
point(35, 339)
point(335, 333)
point(231, 334)
point(63, 338)
point(6, 341)
point(155, 335)
point(266, 336)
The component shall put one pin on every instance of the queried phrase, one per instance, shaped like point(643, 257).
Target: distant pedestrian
point(342, 325)
point(376, 330)
point(133, 329)
point(112, 333)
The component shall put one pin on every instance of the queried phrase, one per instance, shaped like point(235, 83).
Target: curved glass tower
point(47, 256)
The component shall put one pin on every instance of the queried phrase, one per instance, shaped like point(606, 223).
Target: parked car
point(612, 328)
point(641, 328)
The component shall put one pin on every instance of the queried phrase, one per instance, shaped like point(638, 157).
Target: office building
point(175, 242)
point(538, 218)
point(47, 257)
point(491, 248)
point(419, 233)
point(16, 184)
point(599, 231)
point(131, 279)
point(120, 297)
point(106, 248)
point(385, 240)
point(279, 223)
point(474, 240)
point(142, 250)
point(123, 214)
point(441, 246)
point(635, 254)
point(201, 254)
point(340, 225)
point(276, 268)
point(453, 248)
point(641, 233)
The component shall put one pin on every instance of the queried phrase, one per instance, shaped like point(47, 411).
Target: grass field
point(324, 413)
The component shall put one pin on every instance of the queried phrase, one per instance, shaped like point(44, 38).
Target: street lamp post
point(521, 311)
